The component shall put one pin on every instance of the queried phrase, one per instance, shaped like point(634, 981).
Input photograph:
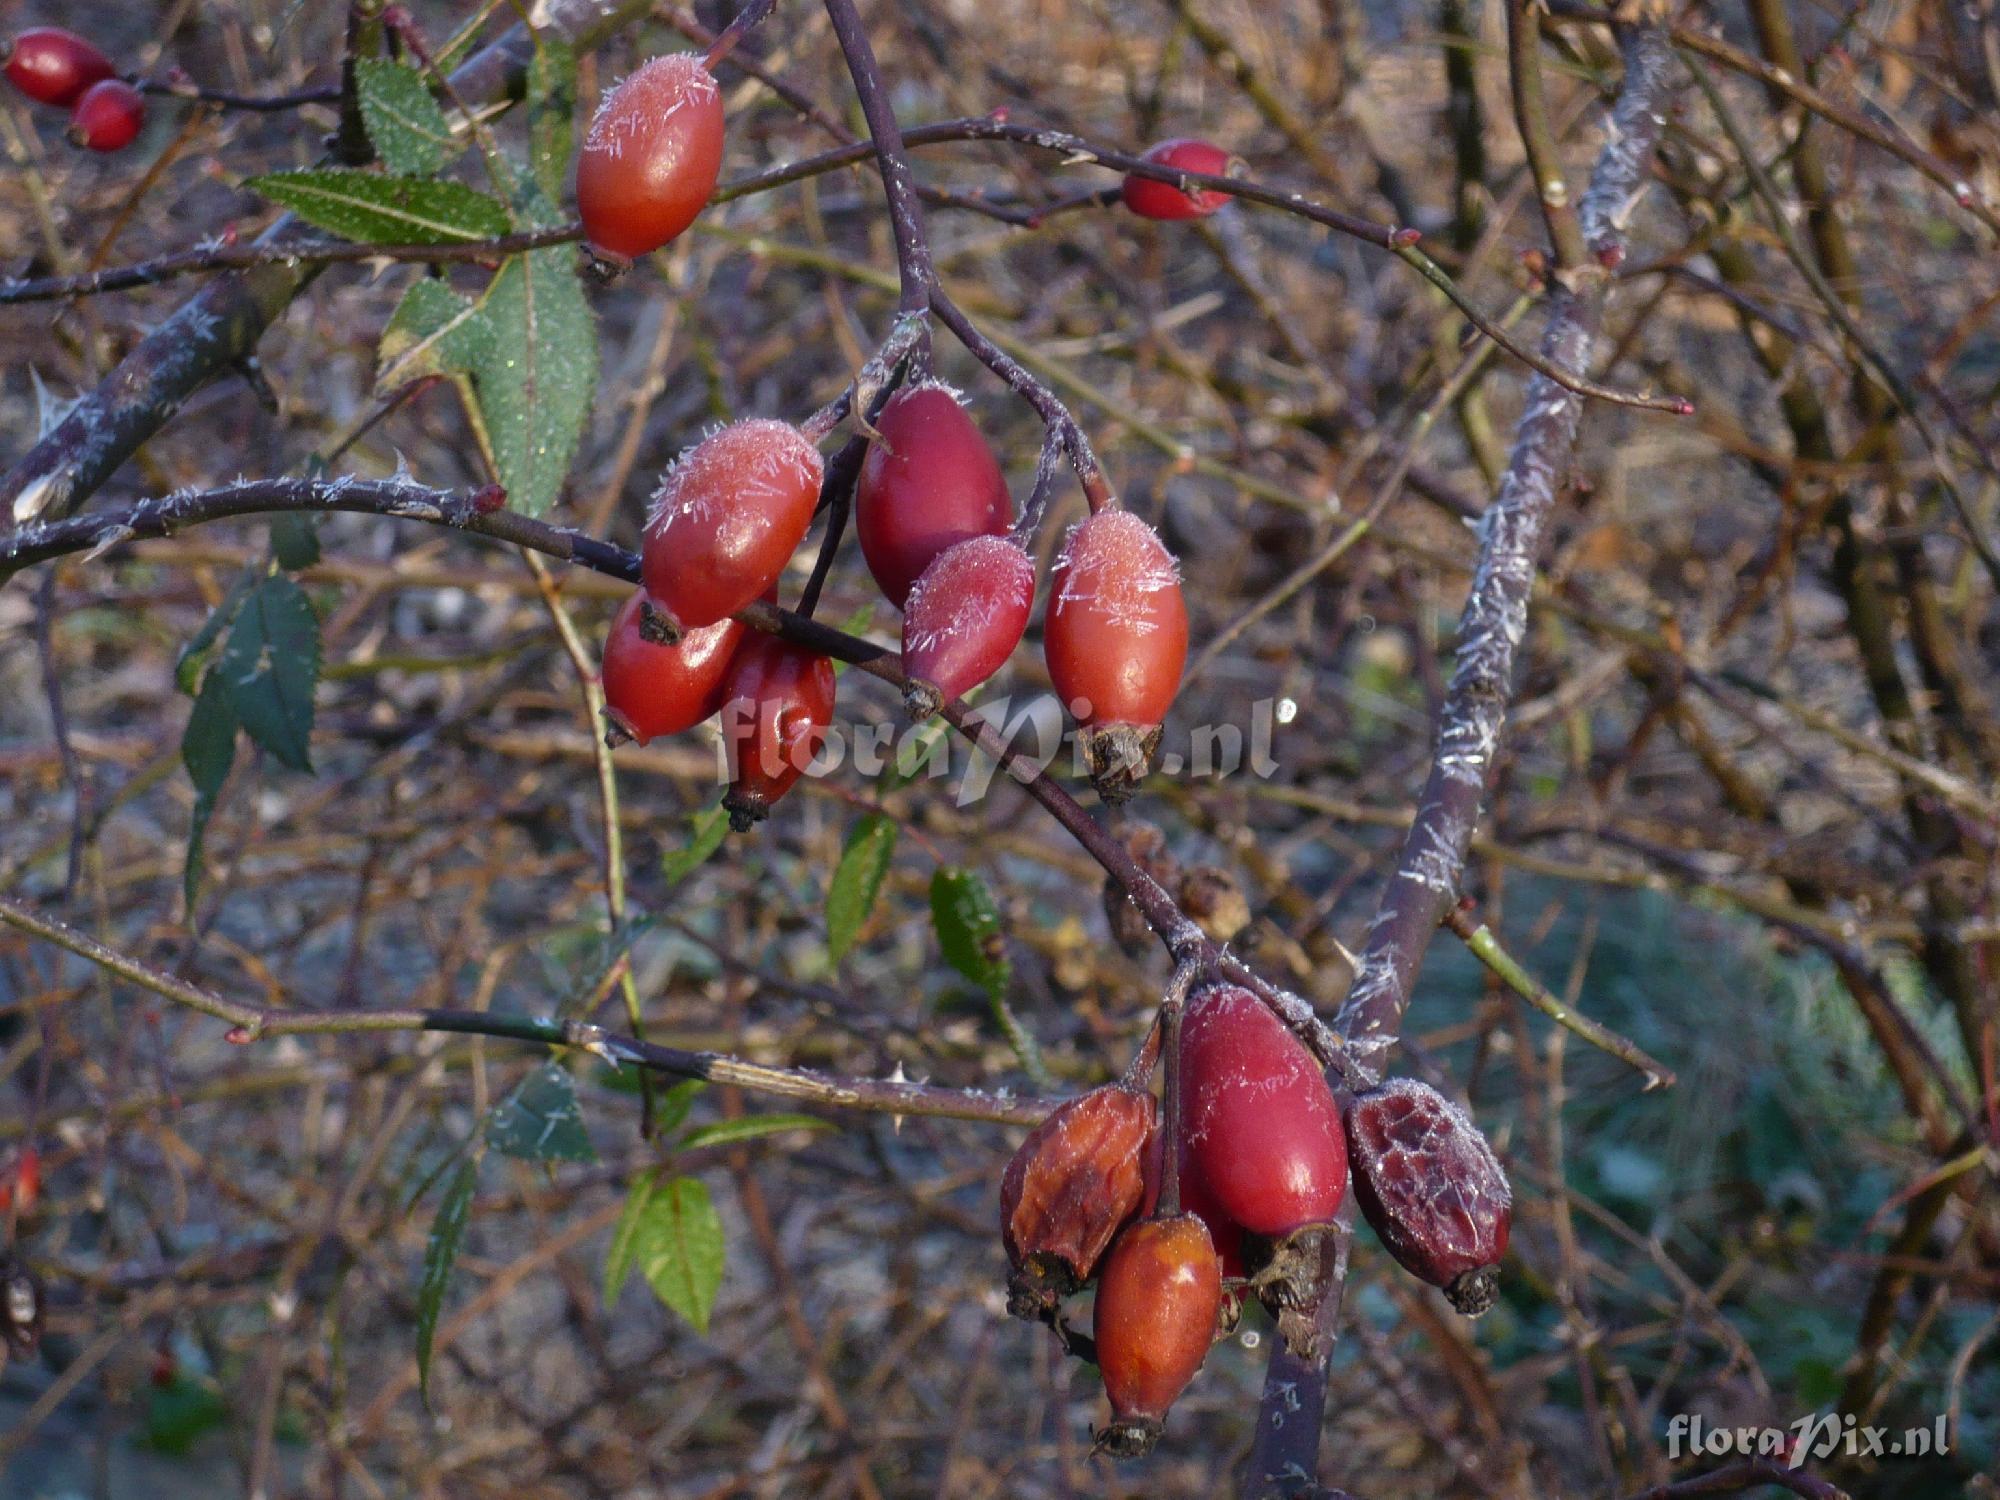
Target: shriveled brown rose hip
point(1431, 1189)
point(1076, 1179)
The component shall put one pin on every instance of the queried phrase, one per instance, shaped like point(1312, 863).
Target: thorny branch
point(1425, 881)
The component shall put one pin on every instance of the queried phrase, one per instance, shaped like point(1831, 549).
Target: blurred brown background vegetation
point(1746, 814)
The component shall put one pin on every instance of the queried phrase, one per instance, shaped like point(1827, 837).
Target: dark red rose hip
point(777, 703)
point(1078, 1177)
point(930, 482)
point(963, 619)
point(1163, 200)
point(108, 117)
point(1157, 1304)
point(1260, 1124)
point(652, 690)
point(1431, 1189)
point(54, 66)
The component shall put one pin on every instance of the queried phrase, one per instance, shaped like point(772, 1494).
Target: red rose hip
point(1115, 638)
point(1151, 199)
point(1260, 1124)
point(1431, 1189)
point(1078, 1177)
point(651, 157)
point(931, 481)
point(1157, 1303)
point(963, 619)
point(108, 117)
point(652, 689)
point(777, 702)
point(726, 518)
point(54, 66)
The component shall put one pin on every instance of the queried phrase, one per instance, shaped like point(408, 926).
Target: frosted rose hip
point(929, 482)
point(1115, 638)
point(651, 157)
point(964, 618)
point(726, 519)
point(1431, 1189)
point(1260, 1124)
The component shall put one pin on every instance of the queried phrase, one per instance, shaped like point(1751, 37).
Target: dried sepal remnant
point(650, 158)
point(727, 517)
point(1158, 1306)
point(963, 618)
point(1431, 1188)
point(1076, 1180)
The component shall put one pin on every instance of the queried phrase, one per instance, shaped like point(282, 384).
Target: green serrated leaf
point(193, 661)
point(678, 1246)
point(433, 331)
point(857, 879)
point(540, 1120)
point(747, 1128)
point(672, 1107)
point(440, 1255)
point(968, 929)
point(294, 540)
point(270, 665)
point(551, 108)
point(536, 375)
point(405, 124)
point(623, 1251)
point(708, 828)
point(371, 208)
point(208, 748)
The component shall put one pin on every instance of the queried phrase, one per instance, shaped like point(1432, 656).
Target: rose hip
point(1157, 1305)
point(108, 117)
point(964, 618)
point(1431, 1189)
point(1163, 200)
point(726, 519)
point(1115, 638)
point(931, 481)
point(1260, 1124)
point(651, 689)
point(1077, 1179)
point(54, 66)
point(777, 702)
point(650, 160)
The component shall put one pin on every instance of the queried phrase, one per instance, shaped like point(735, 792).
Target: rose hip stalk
point(1430, 1188)
point(930, 481)
point(650, 160)
point(777, 702)
point(726, 519)
point(651, 689)
point(1157, 1305)
point(963, 619)
point(1078, 1177)
point(1115, 638)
